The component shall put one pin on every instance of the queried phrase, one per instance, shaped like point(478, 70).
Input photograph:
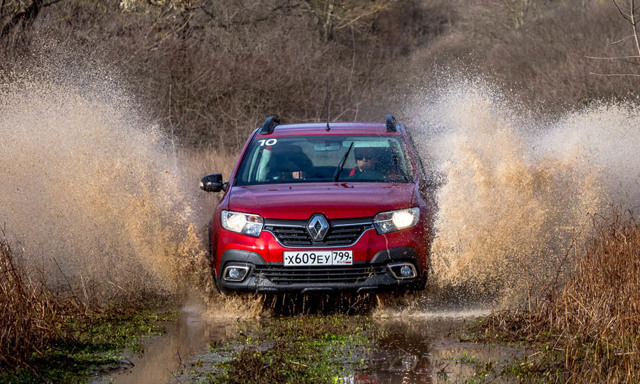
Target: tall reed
point(593, 322)
point(29, 312)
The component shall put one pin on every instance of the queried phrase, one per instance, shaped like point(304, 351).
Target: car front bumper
point(361, 277)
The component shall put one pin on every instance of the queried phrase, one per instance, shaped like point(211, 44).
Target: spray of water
point(517, 196)
point(91, 191)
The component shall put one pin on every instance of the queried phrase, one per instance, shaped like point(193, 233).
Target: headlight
point(244, 223)
point(392, 221)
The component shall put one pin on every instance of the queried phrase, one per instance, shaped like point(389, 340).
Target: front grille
point(291, 236)
point(344, 235)
point(352, 274)
point(293, 233)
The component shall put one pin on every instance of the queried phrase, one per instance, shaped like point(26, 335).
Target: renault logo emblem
point(318, 227)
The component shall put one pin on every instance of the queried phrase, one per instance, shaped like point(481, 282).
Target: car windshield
point(312, 159)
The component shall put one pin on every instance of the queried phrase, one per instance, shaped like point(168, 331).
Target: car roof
point(311, 129)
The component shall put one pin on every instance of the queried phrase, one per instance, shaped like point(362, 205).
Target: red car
point(318, 208)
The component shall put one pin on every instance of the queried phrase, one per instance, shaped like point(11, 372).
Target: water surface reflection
point(409, 348)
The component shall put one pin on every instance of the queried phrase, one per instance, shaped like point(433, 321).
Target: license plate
point(313, 258)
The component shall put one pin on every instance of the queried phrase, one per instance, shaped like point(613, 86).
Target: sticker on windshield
point(268, 142)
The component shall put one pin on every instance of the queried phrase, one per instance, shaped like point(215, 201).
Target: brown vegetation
point(28, 311)
point(209, 72)
point(594, 321)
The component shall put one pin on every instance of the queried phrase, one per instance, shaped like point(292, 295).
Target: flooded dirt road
point(416, 347)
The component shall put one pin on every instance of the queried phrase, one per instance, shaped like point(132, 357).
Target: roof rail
point(269, 125)
point(392, 124)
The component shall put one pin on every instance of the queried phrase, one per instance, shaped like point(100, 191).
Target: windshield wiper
point(336, 175)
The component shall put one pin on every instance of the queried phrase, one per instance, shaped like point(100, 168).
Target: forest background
point(209, 72)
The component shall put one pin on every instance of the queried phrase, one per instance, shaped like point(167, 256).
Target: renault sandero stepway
point(320, 208)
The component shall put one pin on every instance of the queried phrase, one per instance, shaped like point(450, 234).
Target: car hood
point(335, 201)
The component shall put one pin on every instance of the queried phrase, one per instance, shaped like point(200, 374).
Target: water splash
point(95, 194)
point(517, 195)
point(90, 190)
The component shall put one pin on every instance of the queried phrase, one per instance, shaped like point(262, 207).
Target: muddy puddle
point(417, 347)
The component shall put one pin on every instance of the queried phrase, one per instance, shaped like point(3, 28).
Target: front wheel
point(212, 263)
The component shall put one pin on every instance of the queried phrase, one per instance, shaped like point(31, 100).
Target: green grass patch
point(92, 345)
point(294, 350)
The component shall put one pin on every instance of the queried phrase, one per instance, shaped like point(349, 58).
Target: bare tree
point(630, 12)
point(632, 17)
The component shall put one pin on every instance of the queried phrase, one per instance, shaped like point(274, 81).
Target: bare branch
point(621, 12)
point(614, 74)
point(635, 29)
point(621, 40)
point(613, 58)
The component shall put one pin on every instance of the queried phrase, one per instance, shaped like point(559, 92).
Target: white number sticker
point(268, 142)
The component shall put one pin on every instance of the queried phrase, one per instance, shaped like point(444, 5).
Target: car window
point(303, 159)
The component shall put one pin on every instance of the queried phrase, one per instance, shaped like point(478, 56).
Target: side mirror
point(213, 183)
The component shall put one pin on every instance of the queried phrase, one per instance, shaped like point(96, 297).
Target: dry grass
point(594, 321)
point(601, 306)
point(194, 165)
point(29, 312)
point(204, 161)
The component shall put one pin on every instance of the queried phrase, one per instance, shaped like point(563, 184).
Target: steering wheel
point(372, 175)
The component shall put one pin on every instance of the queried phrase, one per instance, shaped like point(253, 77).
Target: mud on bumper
point(362, 277)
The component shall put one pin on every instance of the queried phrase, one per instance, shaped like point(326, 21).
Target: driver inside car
point(366, 164)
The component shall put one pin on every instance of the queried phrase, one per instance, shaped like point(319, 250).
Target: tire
point(212, 262)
